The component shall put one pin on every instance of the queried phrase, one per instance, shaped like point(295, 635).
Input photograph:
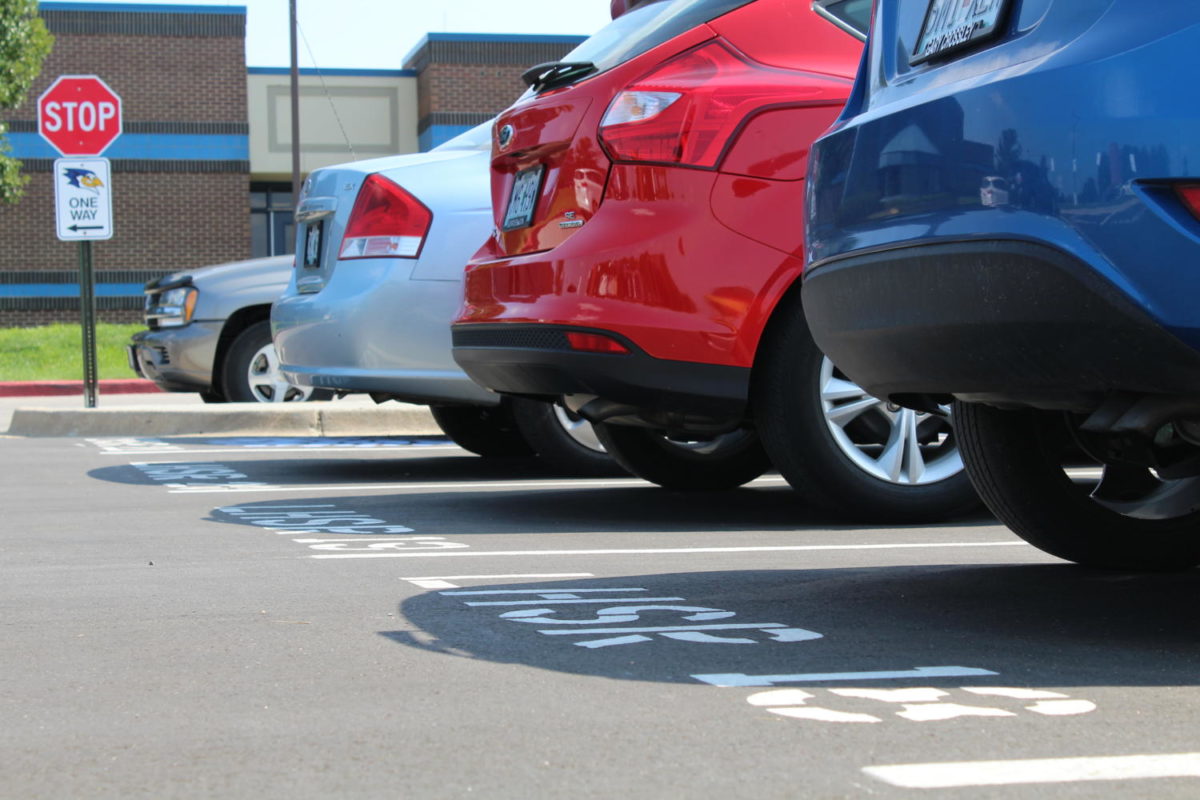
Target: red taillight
point(1189, 193)
point(595, 343)
point(386, 222)
point(687, 110)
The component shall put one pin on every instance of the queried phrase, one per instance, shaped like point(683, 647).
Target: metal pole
point(295, 106)
point(87, 307)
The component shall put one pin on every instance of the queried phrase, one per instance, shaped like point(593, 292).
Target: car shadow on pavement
point(348, 468)
point(603, 509)
point(1041, 625)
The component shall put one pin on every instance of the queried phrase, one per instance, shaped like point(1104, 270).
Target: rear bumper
point(993, 321)
point(536, 360)
point(374, 329)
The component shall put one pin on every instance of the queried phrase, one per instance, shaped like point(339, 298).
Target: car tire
point(848, 452)
point(1128, 520)
point(562, 440)
point(488, 431)
point(213, 397)
point(251, 374)
point(725, 462)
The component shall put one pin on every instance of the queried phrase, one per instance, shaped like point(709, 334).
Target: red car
point(645, 267)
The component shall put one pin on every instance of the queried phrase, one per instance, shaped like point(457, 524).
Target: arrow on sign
point(85, 228)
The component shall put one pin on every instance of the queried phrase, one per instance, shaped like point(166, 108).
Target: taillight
point(595, 343)
point(386, 222)
point(687, 110)
point(1189, 193)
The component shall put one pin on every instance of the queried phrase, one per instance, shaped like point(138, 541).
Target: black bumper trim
point(536, 361)
point(997, 321)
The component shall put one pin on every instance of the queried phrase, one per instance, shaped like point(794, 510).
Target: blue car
point(1007, 213)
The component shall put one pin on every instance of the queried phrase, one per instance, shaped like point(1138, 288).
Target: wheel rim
point(1138, 493)
point(893, 444)
point(267, 383)
point(579, 429)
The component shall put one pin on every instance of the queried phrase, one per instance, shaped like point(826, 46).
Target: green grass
point(55, 352)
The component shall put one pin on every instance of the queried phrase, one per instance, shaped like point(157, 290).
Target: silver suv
point(210, 332)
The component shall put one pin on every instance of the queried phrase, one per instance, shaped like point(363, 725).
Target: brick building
point(202, 171)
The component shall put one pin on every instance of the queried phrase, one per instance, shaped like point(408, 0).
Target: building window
point(272, 226)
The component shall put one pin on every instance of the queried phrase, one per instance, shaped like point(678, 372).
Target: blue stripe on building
point(68, 289)
point(149, 146)
point(139, 8)
point(349, 72)
point(434, 135)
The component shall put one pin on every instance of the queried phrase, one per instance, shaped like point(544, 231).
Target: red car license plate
point(527, 187)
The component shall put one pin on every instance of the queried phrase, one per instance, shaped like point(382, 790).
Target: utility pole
point(295, 106)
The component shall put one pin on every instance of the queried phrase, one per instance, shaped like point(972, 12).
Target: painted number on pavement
point(325, 519)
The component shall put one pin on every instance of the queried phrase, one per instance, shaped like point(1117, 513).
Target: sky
point(378, 34)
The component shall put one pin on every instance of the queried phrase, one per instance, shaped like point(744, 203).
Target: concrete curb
point(246, 419)
point(57, 388)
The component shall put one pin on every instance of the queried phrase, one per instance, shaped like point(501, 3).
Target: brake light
point(1189, 193)
point(687, 110)
point(595, 343)
point(386, 222)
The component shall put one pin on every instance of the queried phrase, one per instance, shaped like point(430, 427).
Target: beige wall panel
point(343, 118)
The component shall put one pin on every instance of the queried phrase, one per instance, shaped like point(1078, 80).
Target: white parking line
point(574, 602)
point(1037, 770)
point(557, 590)
point(440, 486)
point(444, 581)
point(681, 550)
point(334, 449)
point(738, 679)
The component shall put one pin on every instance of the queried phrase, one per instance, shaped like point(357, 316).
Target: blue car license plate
point(527, 186)
point(312, 246)
point(954, 24)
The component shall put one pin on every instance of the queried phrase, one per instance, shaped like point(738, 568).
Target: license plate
point(951, 25)
point(312, 245)
point(131, 355)
point(527, 187)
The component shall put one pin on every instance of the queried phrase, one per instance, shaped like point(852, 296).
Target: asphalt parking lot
point(389, 616)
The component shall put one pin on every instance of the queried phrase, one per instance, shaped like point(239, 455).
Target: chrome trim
point(315, 208)
point(819, 9)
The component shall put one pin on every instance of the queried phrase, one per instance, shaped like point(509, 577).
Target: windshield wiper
point(556, 73)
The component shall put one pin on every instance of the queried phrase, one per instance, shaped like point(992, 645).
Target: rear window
point(645, 27)
point(477, 138)
point(852, 16)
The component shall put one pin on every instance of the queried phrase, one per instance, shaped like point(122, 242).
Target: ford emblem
point(504, 136)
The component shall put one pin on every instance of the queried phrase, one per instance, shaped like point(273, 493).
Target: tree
point(24, 45)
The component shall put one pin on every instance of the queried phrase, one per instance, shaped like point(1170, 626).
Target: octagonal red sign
point(80, 115)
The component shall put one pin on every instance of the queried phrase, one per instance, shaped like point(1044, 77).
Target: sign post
point(81, 116)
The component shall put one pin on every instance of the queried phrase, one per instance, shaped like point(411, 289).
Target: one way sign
point(83, 199)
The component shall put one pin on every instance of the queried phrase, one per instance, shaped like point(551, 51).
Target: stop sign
point(79, 115)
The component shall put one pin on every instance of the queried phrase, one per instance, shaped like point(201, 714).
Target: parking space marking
point(414, 445)
point(630, 610)
point(959, 774)
point(919, 704)
point(693, 550)
point(440, 486)
point(119, 446)
point(315, 519)
point(308, 443)
point(628, 617)
point(445, 581)
point(206, 476)
point(558, 600)
point(738, 679)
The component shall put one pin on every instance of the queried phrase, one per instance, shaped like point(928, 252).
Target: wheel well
point(787, 303)
point(237, 322)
